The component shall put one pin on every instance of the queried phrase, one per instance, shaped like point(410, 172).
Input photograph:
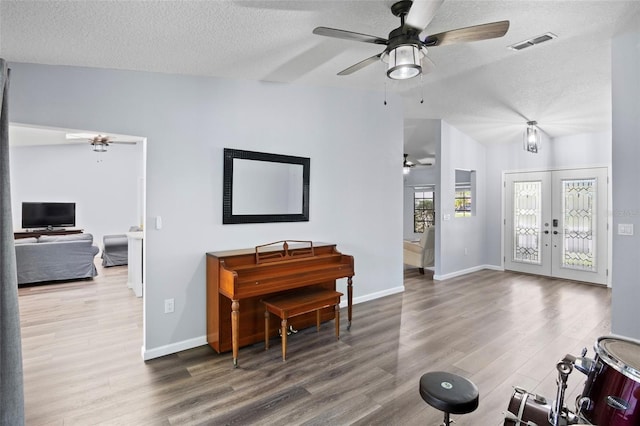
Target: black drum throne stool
point(449, 393)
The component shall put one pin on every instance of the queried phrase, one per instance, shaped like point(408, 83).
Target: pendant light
point(531, 138)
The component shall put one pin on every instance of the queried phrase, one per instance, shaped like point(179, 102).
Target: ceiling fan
point(405, 51)
point(407, 164)
point(98, 142)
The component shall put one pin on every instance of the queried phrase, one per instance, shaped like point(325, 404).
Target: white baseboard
point(172, 348)
point(372, 296)
point(466, 271)
point(494, 267)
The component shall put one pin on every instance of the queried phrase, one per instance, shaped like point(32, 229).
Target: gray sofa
point(115, 250)
point(55, 257)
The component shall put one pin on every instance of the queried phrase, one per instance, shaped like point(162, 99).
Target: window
point(463, 202)
point(423, 210)
point(465, 183)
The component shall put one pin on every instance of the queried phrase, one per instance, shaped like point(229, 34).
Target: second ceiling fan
point(405, 51)
point(407, 164)
point(99, 143)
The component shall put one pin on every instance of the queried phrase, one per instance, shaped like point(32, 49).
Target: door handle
point(546, 232)
point(555, 232)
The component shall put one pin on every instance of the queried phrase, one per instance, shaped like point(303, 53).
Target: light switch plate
point(625, 229)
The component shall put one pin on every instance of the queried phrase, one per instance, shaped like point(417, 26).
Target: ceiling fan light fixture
point(99, 147)
point(531, 138)
point(404, 62)
point(406, 165)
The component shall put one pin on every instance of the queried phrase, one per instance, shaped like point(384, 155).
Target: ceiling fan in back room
point(407, 164)
point(99, 143)
point(406, 52)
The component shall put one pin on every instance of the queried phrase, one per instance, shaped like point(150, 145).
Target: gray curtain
point(11, 385)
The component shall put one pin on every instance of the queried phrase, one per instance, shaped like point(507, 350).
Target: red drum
point(612, 391)
point(527, 408)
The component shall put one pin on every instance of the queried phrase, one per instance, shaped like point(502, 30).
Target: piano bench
point(290, 305)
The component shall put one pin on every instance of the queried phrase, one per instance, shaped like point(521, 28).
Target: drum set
point(611, 394)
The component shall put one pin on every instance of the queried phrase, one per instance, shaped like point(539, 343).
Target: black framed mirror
point(261, 187)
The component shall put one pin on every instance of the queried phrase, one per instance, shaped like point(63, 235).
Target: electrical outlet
point(168, 306)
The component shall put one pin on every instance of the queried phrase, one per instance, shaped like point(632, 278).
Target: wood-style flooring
point(82, 362)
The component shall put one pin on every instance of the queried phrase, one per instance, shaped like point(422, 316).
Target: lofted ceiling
point(483, 88)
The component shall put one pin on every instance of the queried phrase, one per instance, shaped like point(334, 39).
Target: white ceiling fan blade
point(98, 136)
point(422, 13)
point(85, 136)
point(426, 161)
point(123, 142)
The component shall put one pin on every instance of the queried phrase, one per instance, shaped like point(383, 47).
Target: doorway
point(109, 187)
point(556, 224)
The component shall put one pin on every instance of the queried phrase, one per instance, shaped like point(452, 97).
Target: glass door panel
point(527, 230)
point(579, 233)
point(580, 205)
point(556, 224)
point(527, 238)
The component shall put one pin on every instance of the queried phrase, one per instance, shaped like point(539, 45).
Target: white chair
point(421, 253)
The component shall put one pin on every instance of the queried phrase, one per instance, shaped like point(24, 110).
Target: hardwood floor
point(82, 364)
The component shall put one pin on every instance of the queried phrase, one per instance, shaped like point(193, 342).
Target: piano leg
point(336, 308)
point(235, 329)
point(349, 300)
point(266, 330)
point(284, 339)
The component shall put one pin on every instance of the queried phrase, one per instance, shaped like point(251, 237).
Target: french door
point(556, 224)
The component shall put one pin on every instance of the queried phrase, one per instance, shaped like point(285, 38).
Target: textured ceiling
point(482, 88)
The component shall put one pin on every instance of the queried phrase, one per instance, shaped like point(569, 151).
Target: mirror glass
point(261, 187)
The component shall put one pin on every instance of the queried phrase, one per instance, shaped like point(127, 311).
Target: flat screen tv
point(48, 215)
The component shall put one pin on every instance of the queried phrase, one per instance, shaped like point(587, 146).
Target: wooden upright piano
point(237, 280)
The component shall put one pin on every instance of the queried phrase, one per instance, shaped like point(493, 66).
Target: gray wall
point(104, 186)
point(626, 178)
point(454, 150)
point(453, 236)
point(584, 150)
point(188, 121)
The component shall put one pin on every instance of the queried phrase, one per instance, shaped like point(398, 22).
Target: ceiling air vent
point(532, 41)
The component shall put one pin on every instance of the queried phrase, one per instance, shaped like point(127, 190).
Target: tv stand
point(38, 232)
